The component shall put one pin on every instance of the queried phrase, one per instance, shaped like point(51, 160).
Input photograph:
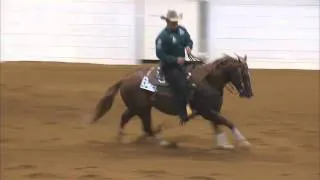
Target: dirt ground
point(43, 136)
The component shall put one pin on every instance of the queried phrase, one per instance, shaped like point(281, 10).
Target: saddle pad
point(145, 84)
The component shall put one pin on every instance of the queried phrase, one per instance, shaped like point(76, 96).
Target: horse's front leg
point(222, 142)
point(221, 138)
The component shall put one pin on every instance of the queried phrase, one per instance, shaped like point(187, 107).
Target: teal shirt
point(171, 44)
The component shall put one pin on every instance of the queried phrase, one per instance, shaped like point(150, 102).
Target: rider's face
point(173, 25)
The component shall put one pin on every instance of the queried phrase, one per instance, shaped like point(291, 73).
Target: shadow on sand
point(146, 149)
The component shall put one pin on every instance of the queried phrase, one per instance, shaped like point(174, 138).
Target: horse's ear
point(245, 58)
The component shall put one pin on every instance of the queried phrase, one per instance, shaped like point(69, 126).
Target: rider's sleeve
point(161, 50)
point(189, 42)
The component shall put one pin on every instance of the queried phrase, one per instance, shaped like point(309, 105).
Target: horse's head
point(239, 75)
point(235, 71)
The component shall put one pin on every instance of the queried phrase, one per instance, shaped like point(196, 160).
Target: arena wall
point(274, 34)
point(90, 31)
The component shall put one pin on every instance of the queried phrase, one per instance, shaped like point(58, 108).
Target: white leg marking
point(242, 141)
point(238, 135)
point(222, 141)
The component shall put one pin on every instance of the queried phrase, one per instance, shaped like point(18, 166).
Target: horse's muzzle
point(244, 94)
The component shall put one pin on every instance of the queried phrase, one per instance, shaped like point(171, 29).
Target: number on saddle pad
point(145, 84)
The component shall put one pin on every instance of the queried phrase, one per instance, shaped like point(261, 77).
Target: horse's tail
point(106, 102)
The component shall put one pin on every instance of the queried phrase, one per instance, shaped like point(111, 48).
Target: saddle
point(158, 78)
point(155, 79)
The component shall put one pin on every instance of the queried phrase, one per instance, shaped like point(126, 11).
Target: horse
point(142, 90)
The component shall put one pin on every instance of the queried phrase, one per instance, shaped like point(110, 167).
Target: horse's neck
point(213, 73)
point(198, 71)
point(215, 79)
point(217, 82)
point(191, 67)
point(218, 79)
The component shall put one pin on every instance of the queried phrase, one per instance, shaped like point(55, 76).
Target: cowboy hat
point(172, 16)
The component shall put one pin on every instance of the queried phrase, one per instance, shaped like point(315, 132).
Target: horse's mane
point(218, 63)
point(223, 61)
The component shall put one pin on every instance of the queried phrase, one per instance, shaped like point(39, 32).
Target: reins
point(230, 87)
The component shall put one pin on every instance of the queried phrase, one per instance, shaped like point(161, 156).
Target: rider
point(171, 44)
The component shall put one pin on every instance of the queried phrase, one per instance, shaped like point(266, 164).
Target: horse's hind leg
point(125, 118)
point(145, 117)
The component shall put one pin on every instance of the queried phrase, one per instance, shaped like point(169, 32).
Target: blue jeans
point(177, 80)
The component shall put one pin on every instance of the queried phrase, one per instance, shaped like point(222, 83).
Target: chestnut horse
point(141, 92)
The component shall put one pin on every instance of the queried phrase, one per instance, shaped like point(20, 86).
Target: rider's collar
point(171, 30)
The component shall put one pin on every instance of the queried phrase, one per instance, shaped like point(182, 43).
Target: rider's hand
point(180, 60)
point(188, 49)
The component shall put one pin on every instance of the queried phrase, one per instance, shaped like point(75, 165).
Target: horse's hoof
point(167, 144)
point(226, 146)
point(244, 144)
point(164, 143)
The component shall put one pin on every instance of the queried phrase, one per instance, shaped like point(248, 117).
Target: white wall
point(99, 31)
point(274, 33)
point(281, 34)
